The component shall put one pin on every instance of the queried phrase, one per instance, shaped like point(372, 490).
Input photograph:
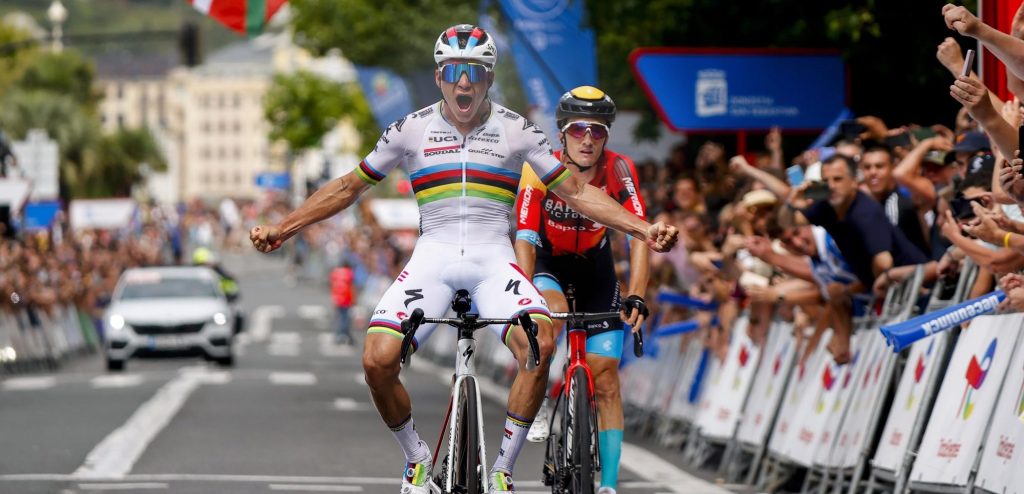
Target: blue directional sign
point(742, 89)
point(273, 180)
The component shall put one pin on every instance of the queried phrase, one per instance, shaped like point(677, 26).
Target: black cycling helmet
point(585, 101)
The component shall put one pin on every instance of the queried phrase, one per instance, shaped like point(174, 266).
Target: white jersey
point(465, 185)
point(829, 266)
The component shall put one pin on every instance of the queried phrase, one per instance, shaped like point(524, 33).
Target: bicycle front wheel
point(581, 438)
point(467, 443)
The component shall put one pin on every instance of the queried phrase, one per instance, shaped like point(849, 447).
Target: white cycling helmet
point(465, 42)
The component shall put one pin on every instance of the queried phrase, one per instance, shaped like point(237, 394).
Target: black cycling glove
point(635, 302)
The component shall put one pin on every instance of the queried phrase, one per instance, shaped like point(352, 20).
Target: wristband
point(1006, 239)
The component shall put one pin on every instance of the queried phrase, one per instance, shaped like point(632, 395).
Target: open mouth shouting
point(464, 102)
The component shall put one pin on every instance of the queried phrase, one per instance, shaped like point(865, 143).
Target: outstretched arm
point(598, 206)
point(327, 201)
point(778, 187)
point(1006, 48)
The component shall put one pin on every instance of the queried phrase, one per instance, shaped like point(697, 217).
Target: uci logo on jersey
point(443, 139)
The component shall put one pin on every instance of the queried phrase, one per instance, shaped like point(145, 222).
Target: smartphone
point(898, 141)
point(1020, 139)
point(795, 175)
point(817, 191)
point(968, 63)
point(961, 208)
point(851, 129)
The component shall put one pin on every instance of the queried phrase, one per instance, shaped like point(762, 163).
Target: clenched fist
point(661, 237)
point(266, 238)
point(960, 19)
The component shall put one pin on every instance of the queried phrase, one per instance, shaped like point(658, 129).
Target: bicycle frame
point(465, 369)
point(465, 372)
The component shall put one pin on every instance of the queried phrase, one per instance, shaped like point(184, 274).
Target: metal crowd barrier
point(37, 340)
point(945, 415)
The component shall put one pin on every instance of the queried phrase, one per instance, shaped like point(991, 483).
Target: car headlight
point(220, 319)
point(116, 322)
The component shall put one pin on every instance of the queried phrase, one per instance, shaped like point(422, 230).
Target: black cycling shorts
point(593, 278)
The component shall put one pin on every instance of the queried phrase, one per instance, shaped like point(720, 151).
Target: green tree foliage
point(118, 165)
point(14, 59)
point(62, 73)
point(396, 34)
point(303, 106)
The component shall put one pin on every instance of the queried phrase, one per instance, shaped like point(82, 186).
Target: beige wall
point(133, 103)
point(221, 133)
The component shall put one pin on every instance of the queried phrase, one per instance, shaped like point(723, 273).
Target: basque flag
point(242, 16)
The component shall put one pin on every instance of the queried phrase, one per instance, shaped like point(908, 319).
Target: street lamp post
point(57, 14)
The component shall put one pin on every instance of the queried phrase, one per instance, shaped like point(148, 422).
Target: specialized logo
point(919, 368)
point(414, 295)
point(468, 354)
point(441, 150)
point(975, 377)
point(513, 286)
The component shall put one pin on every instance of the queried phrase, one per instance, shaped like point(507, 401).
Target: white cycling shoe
point(541, 428)
point(501, 483)
point(416, 478)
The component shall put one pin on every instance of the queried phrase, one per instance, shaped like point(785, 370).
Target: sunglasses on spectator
point(579, 129)
point(451, 73)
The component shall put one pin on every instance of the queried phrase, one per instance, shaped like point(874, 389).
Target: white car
point(169, 311)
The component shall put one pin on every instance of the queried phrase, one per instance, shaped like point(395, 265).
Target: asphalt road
point(293, 415)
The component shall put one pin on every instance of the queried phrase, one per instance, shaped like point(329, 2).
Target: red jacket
point(342, 291)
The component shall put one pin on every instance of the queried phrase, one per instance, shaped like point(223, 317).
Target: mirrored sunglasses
point(451, 73)
point(580, 129)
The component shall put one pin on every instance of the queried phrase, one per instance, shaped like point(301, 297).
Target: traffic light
point(188, 41)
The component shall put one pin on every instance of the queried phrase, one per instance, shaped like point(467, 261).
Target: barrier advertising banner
point(838, 384)
point(800, 405)
point(918, 376)
point(1002, 460)
point(681, 406)
point(864, 410)
point(729, 388)
point(769, 384)
point(966, 400)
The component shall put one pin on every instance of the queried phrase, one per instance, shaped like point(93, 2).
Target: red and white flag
point(243, 16)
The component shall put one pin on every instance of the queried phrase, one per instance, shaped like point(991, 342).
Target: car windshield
point(168, 288)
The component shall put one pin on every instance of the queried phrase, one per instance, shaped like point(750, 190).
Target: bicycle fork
point(465, 370)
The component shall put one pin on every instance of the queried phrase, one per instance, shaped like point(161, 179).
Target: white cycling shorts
point(436, 270)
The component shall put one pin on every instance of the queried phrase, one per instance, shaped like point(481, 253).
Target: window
point(238, 177)
point(223, 178)
point(204, 153)
point(221, 153)
point(237, 101)
point(238, 127)
point(238, 154)
point(120, 121)
point(120, 90)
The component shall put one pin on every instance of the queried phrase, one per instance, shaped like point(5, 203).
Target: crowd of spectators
point(820, 236)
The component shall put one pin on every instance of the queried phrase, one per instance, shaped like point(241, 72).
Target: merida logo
point(962, 314)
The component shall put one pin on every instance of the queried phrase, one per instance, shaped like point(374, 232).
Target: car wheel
point(115, 365)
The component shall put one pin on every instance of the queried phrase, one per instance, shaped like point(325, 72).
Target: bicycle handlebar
point(578, 317)
point(470, 322)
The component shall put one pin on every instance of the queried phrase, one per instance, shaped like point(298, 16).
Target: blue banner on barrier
point(552, 50)
point(685, 301)
point(386, 93)
point(904, 334)
point(732, 89)
point(681, 327)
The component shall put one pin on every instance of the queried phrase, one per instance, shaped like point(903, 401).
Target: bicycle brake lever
point(409, 327)
point(638, 343)
point(531, 337)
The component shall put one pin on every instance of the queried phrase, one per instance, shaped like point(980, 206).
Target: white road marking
point(116, 381)
point(350, 405)
point(122, 487)
point(286, 338)
point(59, 477)
point(315, 488)
point(115, 455)
point(311, 311)
point(29, 383)
point(654, 468)
point(259, 324)
point(292, 378)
